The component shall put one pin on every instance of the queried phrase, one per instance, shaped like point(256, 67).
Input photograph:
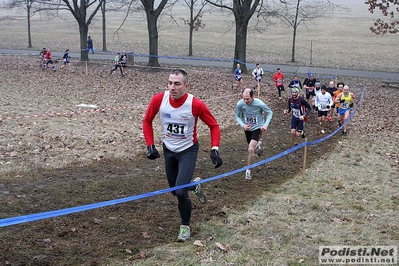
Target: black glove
point(152, 152)
point(342, 100)
point(350, 105)
point(328, 107)
point(216, 159)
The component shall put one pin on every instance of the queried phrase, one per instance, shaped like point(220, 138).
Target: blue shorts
point(343, 111)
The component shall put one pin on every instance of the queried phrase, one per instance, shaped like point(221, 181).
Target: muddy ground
point(56, 155)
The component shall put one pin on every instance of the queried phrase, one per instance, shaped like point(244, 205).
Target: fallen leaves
point(223, 247)
point(198, 243)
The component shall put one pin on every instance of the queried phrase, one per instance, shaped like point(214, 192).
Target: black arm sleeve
point(307, 105)
point(289, 106)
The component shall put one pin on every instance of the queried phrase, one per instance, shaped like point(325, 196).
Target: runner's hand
point(152, 152)
point(216, 159)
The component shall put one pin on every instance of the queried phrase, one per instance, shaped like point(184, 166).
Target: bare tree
point(242, 11)
point(80, 10)
point(152, 18)
point(295, 12)
point(31, 7)
point(114, 6)
point(388, 9)
point(194, 22)
point(104, 25)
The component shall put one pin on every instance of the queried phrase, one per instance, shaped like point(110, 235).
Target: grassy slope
point(348, 197)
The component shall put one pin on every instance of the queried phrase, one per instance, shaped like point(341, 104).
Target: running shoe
point(199, 191)
point(184, 233)
point(322, 131)
point(303, 135)
point(329, 118)
point(248, 175)
point(259, 148)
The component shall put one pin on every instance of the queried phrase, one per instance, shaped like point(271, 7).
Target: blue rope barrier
point(55, 213)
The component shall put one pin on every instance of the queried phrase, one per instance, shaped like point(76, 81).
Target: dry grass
point(349, 195)
point(341, 40)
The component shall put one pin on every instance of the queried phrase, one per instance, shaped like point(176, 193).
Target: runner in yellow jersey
point(346, 100)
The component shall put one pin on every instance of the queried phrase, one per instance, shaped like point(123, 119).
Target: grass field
point(69, 156)
point(340, 40)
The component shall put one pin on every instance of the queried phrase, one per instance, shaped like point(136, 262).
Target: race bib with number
point(296, 112)
point(251, 120)
point(176, 131)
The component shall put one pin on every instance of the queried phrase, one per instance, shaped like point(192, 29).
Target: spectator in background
point(90, 45)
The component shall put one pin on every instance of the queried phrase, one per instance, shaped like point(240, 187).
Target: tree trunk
point(104, 26)
point(240, 51)
point(190, 38)
point(295, 26)
point(293, 45)
point(29, 32)
point(153, 39)
point(84, 52)
point(190, 41)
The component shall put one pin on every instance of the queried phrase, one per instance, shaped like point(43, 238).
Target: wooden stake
point(304, 158)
